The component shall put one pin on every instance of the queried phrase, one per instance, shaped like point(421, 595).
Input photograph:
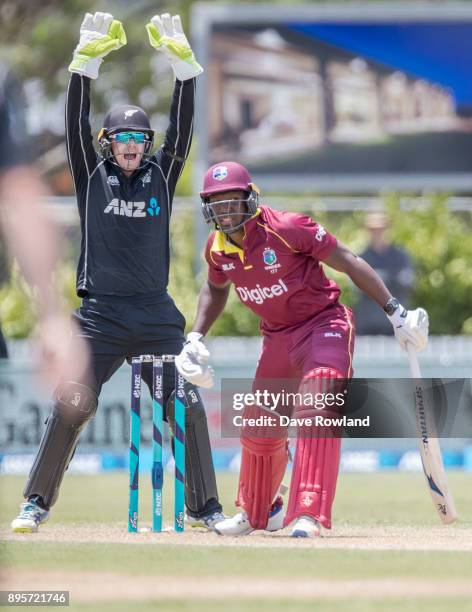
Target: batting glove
point(99, 34)
point(166, 35)
point(192, 362)
point(410, 326)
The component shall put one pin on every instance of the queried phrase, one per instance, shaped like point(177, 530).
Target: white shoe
point(207, 522)
point(239, 525)
point(30, 517)
point(306, 527)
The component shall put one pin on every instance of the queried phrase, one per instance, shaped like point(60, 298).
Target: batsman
point(274, 260)
point(124, 197)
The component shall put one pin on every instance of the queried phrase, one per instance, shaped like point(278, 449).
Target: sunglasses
point(125, 137)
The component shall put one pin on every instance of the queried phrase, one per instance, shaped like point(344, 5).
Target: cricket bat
point(430, 450)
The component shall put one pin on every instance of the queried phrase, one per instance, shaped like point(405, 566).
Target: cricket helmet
point(125, 118)
point(224, 177)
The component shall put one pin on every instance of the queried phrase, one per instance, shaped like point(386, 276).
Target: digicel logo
point(260, 294)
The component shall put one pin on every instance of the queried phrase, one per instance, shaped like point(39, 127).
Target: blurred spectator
point(393, 265)
point(4, 278)
point(29, 236)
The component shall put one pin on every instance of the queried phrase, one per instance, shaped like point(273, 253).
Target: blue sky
point(437, 52)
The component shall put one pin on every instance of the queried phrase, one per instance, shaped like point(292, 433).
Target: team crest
point(146, 178)
point(270, 258)
point(220, 173)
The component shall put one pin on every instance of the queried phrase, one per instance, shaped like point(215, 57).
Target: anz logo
point(133, 209)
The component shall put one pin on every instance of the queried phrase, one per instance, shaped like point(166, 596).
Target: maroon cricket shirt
point(277, 273)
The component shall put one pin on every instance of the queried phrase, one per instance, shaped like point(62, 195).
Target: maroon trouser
point(306, 356)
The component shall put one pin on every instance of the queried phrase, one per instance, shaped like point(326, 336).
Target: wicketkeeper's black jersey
point(125, 221)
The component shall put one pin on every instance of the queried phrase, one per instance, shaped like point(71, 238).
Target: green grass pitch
point(387, 549)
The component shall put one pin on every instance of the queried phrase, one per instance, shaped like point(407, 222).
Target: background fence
point(104, 443)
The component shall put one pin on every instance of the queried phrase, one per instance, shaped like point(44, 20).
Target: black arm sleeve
point(80, 152)
point(172, 155)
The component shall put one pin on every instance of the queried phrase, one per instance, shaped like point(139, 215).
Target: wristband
point(397, 319)
point(391, 306)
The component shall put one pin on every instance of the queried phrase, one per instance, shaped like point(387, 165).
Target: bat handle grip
point(413, 359)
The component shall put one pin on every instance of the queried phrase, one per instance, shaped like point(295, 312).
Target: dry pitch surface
point(344, 537)
point(387, 546)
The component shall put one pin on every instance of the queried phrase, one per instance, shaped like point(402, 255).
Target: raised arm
point(166, 35)
point(99, 34)
point(80, 151)
point(174, 152)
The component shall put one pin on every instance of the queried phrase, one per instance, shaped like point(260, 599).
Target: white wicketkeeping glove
point(166, 35)
point(99, 34)
point(410, 326)
point(192, 362)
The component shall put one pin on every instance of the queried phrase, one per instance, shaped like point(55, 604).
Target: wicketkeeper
point(124, 197)
point(274, 261)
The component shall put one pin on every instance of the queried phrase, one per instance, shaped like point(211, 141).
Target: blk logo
point(320, 233)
